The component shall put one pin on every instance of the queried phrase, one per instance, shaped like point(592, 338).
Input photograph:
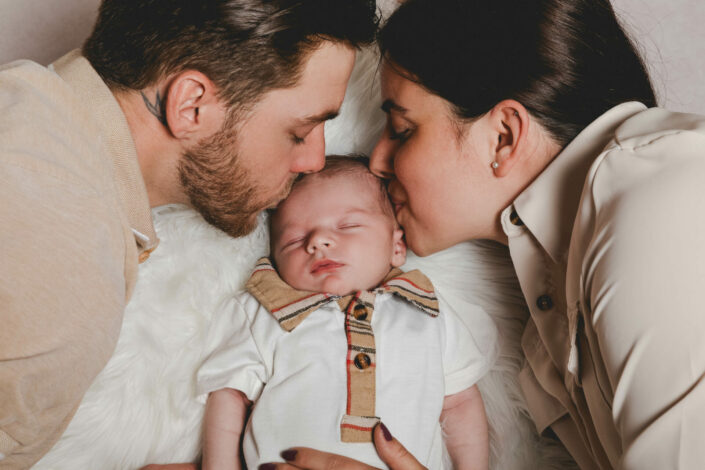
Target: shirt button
point(545, 302)
point(362, 361)
point(360, 312)
point(515, 220)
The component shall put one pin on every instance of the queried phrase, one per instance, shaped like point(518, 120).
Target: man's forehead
point(303, 105)
point(318, 93)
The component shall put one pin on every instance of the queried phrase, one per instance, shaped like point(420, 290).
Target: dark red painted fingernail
point(289, 455)
point(385, 432)
point(267, 466)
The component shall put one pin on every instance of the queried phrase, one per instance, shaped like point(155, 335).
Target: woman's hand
point(389, 449)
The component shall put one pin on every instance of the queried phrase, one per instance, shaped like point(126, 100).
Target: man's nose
point(382, 157)
point(312, 154)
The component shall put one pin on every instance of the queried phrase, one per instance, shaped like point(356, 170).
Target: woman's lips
point(324, 266)
point(397, 204)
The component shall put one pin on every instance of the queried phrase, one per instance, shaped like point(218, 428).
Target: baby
point(332, 337)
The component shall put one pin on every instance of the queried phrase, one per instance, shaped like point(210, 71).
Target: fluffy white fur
point(141, 408)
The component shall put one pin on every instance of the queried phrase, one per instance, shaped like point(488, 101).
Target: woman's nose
point(382, 157)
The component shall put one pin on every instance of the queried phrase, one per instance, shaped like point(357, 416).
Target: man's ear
point(398, 248)
point(193, 110)
point(510, 124)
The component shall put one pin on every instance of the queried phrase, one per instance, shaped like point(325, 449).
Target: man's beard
point(219, 187)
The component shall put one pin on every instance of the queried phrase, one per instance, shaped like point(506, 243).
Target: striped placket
point(291, 306)
point(359, 418)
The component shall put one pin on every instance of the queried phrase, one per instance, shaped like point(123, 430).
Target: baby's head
point(336, 231)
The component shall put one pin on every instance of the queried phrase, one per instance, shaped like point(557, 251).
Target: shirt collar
point(548, 206)
point(75, 70)
point(290, 306)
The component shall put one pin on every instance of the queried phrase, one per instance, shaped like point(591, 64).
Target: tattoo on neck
point(156, 108)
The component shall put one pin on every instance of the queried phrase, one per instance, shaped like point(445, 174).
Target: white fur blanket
point(141, 408)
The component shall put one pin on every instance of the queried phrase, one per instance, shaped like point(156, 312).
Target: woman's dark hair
point(566, 61)
point(246, 47)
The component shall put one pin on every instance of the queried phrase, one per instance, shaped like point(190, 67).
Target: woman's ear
point(192, 109)
point(398, 248)
point(510, 122)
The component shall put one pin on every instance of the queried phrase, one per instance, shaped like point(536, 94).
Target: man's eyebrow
point(318, 118)
point(389, 105)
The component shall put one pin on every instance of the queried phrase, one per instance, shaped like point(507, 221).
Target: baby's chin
point(332, 285)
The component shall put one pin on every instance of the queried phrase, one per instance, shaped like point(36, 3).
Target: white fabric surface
point(298, 379)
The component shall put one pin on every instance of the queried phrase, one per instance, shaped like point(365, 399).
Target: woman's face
point(439, 169)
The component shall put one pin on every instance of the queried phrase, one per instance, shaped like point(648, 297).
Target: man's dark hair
point(246, 47)
point(566, 61)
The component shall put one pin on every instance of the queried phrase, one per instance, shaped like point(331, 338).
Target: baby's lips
point(324, 264)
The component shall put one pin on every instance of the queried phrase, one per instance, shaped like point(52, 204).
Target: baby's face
point(331, 235)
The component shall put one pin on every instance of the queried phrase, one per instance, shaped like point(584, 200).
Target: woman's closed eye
point(400, 135)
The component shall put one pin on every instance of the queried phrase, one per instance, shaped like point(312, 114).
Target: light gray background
point(670, 33)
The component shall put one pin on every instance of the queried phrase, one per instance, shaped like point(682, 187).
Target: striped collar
point(290, 306)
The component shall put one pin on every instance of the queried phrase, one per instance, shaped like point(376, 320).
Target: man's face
point(332, 235)
point(249, 165)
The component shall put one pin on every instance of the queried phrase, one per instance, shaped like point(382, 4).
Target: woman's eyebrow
point(389, 105)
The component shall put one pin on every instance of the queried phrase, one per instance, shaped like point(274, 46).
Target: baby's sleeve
point(239, 362)
point(471, 344)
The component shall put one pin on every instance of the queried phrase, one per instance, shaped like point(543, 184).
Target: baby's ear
point(398, 248)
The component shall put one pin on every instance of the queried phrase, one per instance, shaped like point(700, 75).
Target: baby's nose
point(319, 240)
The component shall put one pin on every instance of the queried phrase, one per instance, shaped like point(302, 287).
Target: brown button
point(515, 220)
point(360, 312)
point(362, 361)
point(545, 302)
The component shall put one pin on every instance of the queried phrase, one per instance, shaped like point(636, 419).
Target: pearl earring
point(495, 165)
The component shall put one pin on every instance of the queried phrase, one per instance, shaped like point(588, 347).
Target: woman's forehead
point(402, 96)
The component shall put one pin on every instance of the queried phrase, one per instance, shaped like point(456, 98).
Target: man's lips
point(325, 265)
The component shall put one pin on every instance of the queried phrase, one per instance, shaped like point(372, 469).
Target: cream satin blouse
point(609, 248)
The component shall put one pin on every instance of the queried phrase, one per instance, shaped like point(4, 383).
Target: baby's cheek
point(287, 270)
